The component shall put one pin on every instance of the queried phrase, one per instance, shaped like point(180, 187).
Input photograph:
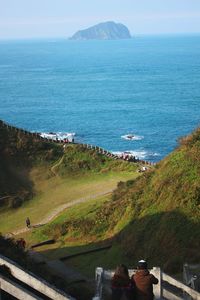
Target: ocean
point(146, 88)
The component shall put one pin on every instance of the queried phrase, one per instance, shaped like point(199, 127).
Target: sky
point(62, 18)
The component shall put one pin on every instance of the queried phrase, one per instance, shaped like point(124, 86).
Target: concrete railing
point(14, 289)
point(30, 280)
point(187, 292)
point(168, 288)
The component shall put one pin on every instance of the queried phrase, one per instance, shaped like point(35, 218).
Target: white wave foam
point(139, 154)
point(58, 135)
point(155, 154)
point(132, 137)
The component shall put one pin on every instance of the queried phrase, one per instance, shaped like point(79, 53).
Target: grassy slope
point(49, 176)
point(157, 216)
point(37, 176)
point(55, 193)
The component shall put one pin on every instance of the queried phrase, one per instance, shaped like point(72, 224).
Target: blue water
point(102, 90)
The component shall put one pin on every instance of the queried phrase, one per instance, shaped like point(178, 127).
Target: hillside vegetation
point(37, 177)
point(32, 168)
point(156, 216)
point(19, 153)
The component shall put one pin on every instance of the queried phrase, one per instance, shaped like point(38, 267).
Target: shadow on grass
point(166, 239)
point(15, 183)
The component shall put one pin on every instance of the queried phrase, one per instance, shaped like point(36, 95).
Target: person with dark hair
point(28, 222)
point(121, 284)
point(143, 282)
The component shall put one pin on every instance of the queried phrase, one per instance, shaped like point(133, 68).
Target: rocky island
point(103, 31)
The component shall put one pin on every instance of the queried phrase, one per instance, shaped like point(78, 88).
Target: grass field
point(79, 239)
point(56, 191)
point(85, 210)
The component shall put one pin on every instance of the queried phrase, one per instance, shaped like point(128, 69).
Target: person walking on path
point(143, 281)
point(28, 222)
point(121, 284)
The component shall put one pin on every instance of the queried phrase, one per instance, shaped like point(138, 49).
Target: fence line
point(88, 146)
point(187, 291)
point(161, 291)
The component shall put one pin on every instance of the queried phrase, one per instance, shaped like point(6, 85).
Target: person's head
point(142, 265)
point(121, 270)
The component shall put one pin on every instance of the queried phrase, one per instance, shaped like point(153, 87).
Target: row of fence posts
point(88, 146)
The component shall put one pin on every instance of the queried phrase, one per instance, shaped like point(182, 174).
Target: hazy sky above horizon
point(61, 18)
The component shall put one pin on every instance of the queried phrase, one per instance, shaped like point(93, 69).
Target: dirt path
point(60, 209)
point(57, 165)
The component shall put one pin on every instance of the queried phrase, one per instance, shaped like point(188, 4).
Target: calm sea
point(104, 90)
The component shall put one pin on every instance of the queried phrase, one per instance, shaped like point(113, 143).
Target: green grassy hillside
point(22, 154)
point(165, 208)
point(49, 176)
point(37, 177)
point(156, 216)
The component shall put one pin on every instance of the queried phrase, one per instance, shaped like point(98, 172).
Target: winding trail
point(57, 165)
point(60, 209)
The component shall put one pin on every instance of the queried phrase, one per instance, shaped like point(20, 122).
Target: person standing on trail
point(28, 222)
point(143, 282)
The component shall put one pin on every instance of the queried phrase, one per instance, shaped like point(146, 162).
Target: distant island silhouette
point(103, 31)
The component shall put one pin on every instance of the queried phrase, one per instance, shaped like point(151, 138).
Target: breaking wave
point(138, 154)
point(132, 137)
point(58, 135)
